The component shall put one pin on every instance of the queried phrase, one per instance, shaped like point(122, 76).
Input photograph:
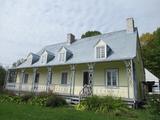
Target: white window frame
point(43, 59)
point(117, 77)
point(64, 57)
point(100, 52)
point(67, 79)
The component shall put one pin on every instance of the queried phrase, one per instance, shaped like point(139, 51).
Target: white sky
point(28, 25)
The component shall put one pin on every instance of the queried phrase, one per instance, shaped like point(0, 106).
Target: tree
point(2, 75)
point(151, 51)
point(90, 33)
point(146, 38)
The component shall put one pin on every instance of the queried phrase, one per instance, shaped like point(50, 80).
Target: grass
point(11, 111)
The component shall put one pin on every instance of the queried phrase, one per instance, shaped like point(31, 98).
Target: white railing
point(56, 88)
point(65, 89)
point(10, 86)
point(26, 87)
point(112, 91)
point(61, 89)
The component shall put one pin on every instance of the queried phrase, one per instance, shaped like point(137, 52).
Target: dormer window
point(43, 59)
point(62, 57)
point(46, 57)
point(64, 54)
point(100, 50)
point(32, 58)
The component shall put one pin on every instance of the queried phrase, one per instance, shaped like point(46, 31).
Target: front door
point(36, 81)
point(85, 78)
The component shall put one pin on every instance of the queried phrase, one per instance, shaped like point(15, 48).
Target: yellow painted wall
point(42, 75)
point(139, 73)
point(100, 73)
point(98, 81)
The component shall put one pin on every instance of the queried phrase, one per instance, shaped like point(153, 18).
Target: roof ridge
point(54, 44)
point(86, 37)
point(102, 34)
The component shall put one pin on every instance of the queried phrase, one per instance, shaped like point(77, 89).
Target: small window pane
point(64, 78)
point(114, 78)
point(109, 78)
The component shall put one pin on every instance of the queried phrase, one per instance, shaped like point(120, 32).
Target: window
point(64, 78)
point(37, 78)
point(100, 52)
point(62, 57)
point(112, 77)
point(25, 78)
point(43, 59)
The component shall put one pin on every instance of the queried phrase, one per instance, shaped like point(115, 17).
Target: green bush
point(55, 101)
point(42, 99)
point(154, 104)
point(36, 100)
point(8, 98)
point(26, 97)
point(101, 104)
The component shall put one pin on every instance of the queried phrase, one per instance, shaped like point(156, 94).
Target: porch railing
point(119, 91)
point(56, 88)
point(85, 92)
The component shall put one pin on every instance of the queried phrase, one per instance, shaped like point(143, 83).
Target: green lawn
point(11, 111)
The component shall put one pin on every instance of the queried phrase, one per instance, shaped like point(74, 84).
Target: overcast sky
point(28, 25)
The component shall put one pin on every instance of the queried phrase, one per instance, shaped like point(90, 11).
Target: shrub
point(154, 104)
point(36, 100)
point(7, 98)
point(101, 104)
point(42, 99)
point(26, 97)
point(55, 101)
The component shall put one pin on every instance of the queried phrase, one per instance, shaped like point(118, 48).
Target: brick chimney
point(70, 38)
point(130, 25)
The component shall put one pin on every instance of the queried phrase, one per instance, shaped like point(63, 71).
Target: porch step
point(75, 100)
point(72, 99)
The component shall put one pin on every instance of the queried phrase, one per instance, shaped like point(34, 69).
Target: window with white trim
point(112, 77)
point(43, 59)
point(62, 57)
point(64, 78)
point(100, 52)
point(25, 79)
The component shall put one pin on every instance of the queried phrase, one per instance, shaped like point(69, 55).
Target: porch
point(69, 80)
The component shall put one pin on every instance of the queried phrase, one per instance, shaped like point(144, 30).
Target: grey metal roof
point(122, 44)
